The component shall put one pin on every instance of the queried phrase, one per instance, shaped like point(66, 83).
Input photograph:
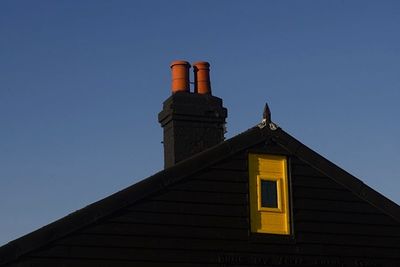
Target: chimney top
point(201, 64)
point(179, 62)
point(202, 84)
point(180, 76)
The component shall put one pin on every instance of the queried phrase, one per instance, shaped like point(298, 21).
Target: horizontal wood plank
point(231, 164)
point(349, 228)
point(335, 206)
point(211, 186)
point(305, 170)
point(324, 194)
point(181, 219)
point(204, 197)
point(222, 175)
point(163, 230)
point(188, 207)
point(315, 182)
point(78, 262)
point(349, 240)
point(337, 217)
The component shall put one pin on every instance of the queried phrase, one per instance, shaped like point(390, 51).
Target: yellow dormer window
point(269, 197)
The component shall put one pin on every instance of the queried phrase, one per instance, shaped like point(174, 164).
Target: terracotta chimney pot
point(180, 76)
point(202, 84)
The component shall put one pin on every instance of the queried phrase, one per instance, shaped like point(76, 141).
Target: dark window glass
point(269, 194)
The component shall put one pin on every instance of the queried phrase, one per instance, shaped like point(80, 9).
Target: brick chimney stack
point(192, 121)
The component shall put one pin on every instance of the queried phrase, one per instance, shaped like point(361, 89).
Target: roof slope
point(153, 184)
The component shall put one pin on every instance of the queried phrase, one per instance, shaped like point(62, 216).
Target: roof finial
point(267, 119)
point(267, 114)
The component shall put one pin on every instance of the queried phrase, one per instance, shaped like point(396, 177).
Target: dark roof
point(100, 209)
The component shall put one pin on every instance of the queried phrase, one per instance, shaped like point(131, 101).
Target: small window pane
point(269, 194)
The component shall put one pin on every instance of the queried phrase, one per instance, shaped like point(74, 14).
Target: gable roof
point(153, 184)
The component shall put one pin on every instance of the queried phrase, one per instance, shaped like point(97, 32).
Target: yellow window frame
point(269, 219)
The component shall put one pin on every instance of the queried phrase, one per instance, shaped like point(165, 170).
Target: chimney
point(191, 121)
point(201, 71)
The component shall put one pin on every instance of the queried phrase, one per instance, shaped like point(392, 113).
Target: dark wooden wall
point(203, 221)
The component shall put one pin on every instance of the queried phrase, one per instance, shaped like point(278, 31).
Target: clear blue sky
point(82, 82)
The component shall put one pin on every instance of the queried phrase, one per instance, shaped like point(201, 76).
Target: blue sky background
point(82, 82)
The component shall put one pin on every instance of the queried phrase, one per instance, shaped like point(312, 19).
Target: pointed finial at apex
point(267, 114)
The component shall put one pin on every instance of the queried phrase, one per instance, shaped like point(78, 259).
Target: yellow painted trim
point(263, 219)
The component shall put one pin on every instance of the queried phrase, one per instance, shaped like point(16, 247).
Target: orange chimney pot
point(202, 84)
point(180, 76)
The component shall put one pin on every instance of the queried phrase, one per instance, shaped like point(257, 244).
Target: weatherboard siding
point(203, 220)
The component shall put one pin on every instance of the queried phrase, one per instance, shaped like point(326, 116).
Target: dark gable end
point(204, 208)
point(196, 213)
